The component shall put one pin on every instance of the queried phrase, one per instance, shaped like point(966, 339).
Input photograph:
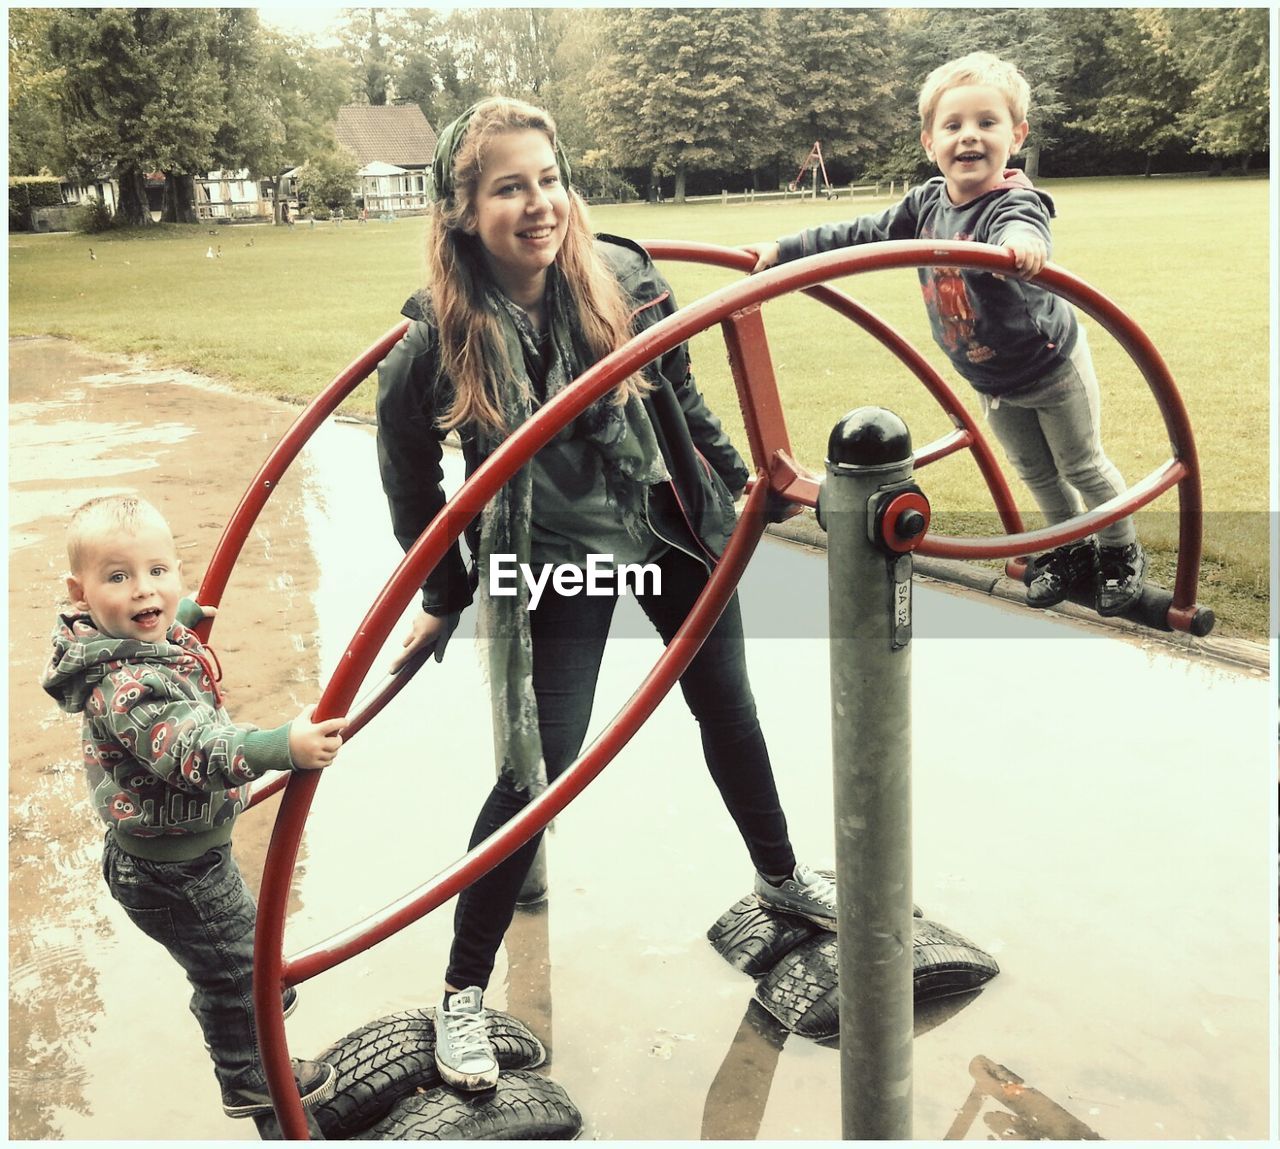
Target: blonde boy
point(165, 766)
point(1018, 345)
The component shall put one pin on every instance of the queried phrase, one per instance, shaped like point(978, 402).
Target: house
point(394, 146)
point(233, 195)
point(79, 191)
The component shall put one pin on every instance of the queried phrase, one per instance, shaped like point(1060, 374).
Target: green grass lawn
point(282, 310)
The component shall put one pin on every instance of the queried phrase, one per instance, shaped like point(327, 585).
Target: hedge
point(26, 192)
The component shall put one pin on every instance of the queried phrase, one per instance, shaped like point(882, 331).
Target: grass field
point(282, 310)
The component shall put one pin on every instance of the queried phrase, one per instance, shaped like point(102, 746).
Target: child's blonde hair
point(975, 68)
point(107, 515)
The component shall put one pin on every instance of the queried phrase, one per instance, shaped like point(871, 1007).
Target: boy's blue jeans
point(203, 914)
point(1052, 433)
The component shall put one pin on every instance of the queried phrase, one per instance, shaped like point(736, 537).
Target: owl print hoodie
point(164, 762)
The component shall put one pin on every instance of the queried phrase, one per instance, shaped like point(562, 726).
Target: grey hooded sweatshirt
point(1001, 334)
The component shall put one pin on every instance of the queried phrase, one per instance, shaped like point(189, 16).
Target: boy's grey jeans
point(1052, 433)
point(203, 914)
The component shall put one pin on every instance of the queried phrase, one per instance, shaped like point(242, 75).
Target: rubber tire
point(802, 990)
point(522, 1107)
point(390, 1059)
point(754, 939)
point(947, 963)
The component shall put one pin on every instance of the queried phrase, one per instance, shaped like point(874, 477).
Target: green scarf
point(631, 461)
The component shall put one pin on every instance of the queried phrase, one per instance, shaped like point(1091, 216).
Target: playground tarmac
point(1094, 811)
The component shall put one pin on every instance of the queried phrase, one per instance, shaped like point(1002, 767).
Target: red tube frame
point(767, 437)
point(1182, 470)
point(734, 307)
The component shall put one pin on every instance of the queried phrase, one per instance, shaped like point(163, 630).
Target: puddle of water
point(96, 457)
point(1113, 858)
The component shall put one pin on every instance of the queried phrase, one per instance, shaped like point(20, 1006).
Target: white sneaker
point(464, 1055)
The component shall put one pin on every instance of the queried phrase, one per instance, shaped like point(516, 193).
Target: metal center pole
point(873, 514)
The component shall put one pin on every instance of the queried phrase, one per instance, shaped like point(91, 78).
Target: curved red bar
point(887, 337)
point(494, 472)
point(1183, 470)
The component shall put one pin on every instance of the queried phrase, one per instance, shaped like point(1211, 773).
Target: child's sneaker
point(289, 1000)
point(1056, 572)
point(1120, 571)
point(464, 1055)
point(315, 1081)
point(807, 894)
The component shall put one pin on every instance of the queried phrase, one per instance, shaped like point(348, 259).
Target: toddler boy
point(165, 765)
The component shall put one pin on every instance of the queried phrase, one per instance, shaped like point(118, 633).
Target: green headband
point(440, 182)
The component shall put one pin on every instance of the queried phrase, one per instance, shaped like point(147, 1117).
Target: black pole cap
point(869, 437)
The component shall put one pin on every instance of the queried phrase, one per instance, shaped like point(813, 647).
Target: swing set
point(814, 163)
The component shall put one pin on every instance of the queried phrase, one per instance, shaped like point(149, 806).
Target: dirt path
point(81, 425)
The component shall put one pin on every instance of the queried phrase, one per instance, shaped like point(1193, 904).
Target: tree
point(568, 89)
point(243, 135)
point(836, 68)
point(682, 91)
point(366, 47)
point(499, 52)
point(35, 138)
point(1143, 93)
point(416, 47)
point(135, 96)
point(303, 88)
point(1225, 51)
point(413, 55)
point(328, 177)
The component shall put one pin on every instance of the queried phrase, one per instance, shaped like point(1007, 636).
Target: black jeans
point(568, 645)
point(203, 914)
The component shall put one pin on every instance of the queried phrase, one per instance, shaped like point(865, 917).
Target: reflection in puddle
point(528, 946)
point(740, 1091)
point(739, 1094)
point(55, 1003)
point(1027, 1114)
point(35, 494)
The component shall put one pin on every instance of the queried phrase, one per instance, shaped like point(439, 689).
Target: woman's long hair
point(473, 355)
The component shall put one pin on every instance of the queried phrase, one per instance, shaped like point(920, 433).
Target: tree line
point(693, 100)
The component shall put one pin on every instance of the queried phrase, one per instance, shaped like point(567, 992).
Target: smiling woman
point(520, 216)
point(521, 299)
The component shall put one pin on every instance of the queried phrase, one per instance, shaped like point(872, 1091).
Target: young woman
point(521, 299)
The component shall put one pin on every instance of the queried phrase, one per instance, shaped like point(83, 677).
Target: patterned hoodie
point(164, 761)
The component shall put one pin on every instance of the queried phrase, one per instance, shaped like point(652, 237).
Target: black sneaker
point(1056, 573)
point(289, 999)
point(1120, 571)
point(315, 1081)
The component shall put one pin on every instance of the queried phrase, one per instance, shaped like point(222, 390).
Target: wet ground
point(1095, 812)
